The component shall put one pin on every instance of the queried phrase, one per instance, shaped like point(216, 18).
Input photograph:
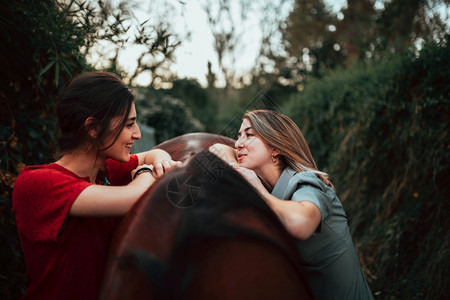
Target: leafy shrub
point(40, 56)
point(382, 132)
point(169, 116)
point(196, 99)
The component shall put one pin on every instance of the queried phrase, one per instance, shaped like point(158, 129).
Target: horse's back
point(183, 147)
point(201, 232)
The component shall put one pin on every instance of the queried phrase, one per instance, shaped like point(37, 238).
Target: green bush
point(169, 116)
point(39, 54)
point(382, 132)
point(329, 108)
point(197, 100)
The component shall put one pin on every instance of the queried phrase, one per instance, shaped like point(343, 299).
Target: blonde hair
point(282, 134)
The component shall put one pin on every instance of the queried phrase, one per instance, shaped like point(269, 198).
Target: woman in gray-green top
point(272, 154)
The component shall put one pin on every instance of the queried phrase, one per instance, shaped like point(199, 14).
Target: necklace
point(105, 181)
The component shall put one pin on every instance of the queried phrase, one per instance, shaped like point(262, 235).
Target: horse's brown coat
point(220, 241)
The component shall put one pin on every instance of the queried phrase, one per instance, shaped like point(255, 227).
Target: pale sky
point(192, 56)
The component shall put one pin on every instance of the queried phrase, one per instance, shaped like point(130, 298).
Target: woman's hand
point(253, 179)
point(163, 166)
point(160, 159)
point(224, 152)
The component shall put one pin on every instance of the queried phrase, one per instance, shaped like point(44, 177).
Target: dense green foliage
point(382, 132)
point(169, 116)
point(319, 39)
point(40, 56)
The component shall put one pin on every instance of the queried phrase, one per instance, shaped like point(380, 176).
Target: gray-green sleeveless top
point(328, 258)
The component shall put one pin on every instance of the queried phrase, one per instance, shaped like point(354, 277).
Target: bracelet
point(142, 170)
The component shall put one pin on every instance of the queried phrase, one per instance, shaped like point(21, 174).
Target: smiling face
point(121, 148)
point(252, 152)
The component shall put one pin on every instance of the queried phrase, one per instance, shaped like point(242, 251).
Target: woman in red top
point(65, 210)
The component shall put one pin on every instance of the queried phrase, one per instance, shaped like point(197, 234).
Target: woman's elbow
point(300, 234)
point(302, 228)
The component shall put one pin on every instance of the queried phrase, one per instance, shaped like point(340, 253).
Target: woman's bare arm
point(98, 200)
point(110, 201)
point(300, 219)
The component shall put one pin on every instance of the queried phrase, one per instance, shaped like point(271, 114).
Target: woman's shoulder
point(35, 171)
point(43, 182)
point(307, 177)
point(38, 174)
point(308, 180)
point(46, 169)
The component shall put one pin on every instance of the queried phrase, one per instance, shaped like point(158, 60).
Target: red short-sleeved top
point(67, 263)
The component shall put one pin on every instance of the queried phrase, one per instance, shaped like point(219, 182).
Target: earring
point(274, 159)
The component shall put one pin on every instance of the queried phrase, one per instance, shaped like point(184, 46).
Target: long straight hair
point(279, 132)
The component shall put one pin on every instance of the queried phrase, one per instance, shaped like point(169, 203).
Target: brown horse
point(185, 146)
point(201, 232)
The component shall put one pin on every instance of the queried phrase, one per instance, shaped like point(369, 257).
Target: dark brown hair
point(100, 95)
